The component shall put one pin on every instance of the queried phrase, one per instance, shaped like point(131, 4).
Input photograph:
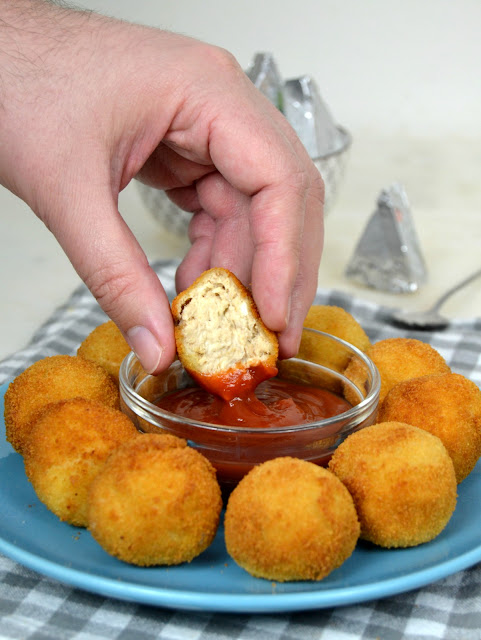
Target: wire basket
point(174, 220)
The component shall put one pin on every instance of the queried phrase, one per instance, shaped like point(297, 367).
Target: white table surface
point(441, 180)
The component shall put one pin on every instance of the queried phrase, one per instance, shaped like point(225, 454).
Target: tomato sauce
point(274, 403)
point(235, 383)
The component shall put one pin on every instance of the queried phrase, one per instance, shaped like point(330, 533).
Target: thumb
point(110, 261)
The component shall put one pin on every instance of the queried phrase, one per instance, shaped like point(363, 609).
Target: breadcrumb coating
point(155, 502)
point(106, 346)
point(68, 445)
point(446, 405)
point(50, 380)
point(399, 359)
point(402, 482)
point(289, 519)
point(336, 322)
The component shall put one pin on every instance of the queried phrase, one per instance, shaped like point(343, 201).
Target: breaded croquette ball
point(106, 346)
point(336, 322)
point(289, 519)
point(51, 380)
point(68, 445)
point(399, 359)
point(155, 502)
point(402, 481)
point(449, 406)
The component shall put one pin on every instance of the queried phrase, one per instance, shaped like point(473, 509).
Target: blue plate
point(34, 537)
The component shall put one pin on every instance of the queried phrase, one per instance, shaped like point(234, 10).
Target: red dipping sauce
point(275, 403)
point(256, 418)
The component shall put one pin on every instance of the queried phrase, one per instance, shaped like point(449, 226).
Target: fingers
point(167, 169)
point(198, 258)
point(219, 231)
point(305, 286)
point(109, 260)
point(267, 162)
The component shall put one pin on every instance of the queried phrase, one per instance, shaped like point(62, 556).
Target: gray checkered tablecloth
point(35, 607)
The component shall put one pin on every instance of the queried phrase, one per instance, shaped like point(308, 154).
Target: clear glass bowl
point(235, 450)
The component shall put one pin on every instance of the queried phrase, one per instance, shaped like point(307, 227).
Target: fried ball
point(155, 502)
point(402, 481)
point(106, 346)
point(447, 405)
point(50, 380)
point(289, 519)
point(398, 359)
point(336, 322)
point(67, 447)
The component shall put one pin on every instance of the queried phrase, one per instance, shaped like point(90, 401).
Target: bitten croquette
point(402, 482)
point(289, 519)
point(50, 380)
point(220, 336)
point(156, 501)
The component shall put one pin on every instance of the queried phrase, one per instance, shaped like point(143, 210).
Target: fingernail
point(145, 346)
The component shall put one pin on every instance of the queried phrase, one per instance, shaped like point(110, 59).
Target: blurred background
point(400, 67)
point(401, 76)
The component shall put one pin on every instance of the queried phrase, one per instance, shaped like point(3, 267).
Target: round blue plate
point(34, 537)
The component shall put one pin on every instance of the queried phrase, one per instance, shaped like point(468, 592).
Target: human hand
point(90, 103)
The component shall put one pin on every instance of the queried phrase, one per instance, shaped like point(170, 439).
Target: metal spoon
point(431, 319)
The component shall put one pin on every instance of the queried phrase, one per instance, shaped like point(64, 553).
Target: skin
point(89, 103)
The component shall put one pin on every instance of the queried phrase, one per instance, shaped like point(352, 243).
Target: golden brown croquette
point(447, 405)
point(402, 481)
point(68, 444)
point(399, 359)
point(336, 322)
point(155, 502)
point(50, 380)
point(289, 519)
point(106, 346)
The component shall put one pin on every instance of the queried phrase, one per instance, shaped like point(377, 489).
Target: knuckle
point(224, 60)
point(222, 64)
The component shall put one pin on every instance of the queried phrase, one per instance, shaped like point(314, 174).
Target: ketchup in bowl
point(301, 412)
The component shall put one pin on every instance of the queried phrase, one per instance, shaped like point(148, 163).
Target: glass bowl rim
point(130, 397)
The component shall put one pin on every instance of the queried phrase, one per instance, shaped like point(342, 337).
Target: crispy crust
point(68, 445)
point(335, 321)
point(155, 502)
point(399, 359)
point(289, 519)
point(448, 406)
point(402, 482)
point(106, 346)
point(51, 380)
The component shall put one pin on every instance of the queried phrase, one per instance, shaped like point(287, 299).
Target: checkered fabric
point(36, 608)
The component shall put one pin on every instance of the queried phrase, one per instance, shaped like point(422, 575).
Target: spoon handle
point(456, 287)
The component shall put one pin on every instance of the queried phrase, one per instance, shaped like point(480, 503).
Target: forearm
point(34, 35)
point(67, 73)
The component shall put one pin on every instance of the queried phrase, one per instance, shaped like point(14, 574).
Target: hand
point(90, 103)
